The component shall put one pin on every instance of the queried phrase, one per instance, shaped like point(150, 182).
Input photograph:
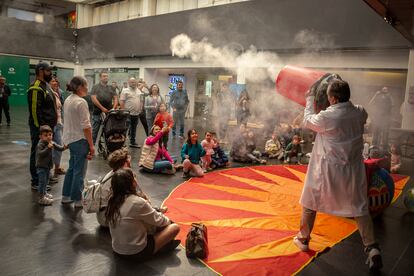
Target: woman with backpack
point(138, 231)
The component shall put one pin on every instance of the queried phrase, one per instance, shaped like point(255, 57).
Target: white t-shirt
point(77, 119)
point(129, 236)
point(132, 100)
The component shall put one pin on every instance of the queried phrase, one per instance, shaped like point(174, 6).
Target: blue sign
point(173, 79)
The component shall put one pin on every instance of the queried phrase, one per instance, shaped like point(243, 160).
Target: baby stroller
point(113, 131)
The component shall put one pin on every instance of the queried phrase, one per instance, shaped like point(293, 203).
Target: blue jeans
point(57, 138)
point(34, 136)
point(96, 123)
point(150, 116)
point(178, 116)
point(43, 176)
point(73, 184)
point(160, 166)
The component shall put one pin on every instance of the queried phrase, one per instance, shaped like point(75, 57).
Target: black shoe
point(170, 246)
point(8, 124)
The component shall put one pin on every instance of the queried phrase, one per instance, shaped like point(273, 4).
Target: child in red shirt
point(164, 119)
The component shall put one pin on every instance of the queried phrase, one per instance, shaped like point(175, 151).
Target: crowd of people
point(140, 230)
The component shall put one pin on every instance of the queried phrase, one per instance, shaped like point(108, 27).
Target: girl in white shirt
point(138, 231)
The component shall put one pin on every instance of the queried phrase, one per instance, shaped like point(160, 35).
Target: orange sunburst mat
point(252, 214)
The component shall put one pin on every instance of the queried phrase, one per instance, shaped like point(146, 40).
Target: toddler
point(44, 162)
point(208, 145)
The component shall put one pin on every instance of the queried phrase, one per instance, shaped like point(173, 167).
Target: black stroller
point(113, 131)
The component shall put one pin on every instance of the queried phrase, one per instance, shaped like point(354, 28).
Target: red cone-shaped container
point(293, 82)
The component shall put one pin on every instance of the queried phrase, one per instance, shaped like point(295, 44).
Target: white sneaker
point(374, 260)
point(45, 201)
point(66, 200)
point(302, 244)
point(49, 195)
point(78, 204)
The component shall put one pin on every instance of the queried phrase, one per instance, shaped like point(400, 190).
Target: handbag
point(196, 244)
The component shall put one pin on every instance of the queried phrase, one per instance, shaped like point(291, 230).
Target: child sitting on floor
point(286, 135)
point(208, 145)
point(219, 158)
point(244, 149)
point(395, 158)
point(191, 153)
point(253, 154)
point(293, 150)
point(273, 147)
point(119, 159)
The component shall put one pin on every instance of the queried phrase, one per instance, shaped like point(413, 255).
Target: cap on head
point(43, 66)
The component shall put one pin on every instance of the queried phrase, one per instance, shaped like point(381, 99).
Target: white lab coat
point(336, 181)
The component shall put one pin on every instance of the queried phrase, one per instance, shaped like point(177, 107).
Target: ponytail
point(75, 83)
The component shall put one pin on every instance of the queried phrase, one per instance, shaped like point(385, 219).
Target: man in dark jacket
point(42, 111)
point(179, 103)
point(4, 100)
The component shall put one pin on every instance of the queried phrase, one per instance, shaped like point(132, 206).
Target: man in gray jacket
point(179, 103)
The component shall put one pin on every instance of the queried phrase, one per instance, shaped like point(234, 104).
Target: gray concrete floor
point(59, 240)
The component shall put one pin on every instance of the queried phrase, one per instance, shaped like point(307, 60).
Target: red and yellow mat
point(252, 214)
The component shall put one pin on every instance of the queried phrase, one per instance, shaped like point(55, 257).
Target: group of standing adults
point(80, 131)
point(46, 107)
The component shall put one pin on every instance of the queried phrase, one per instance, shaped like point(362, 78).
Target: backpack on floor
point(196, 244)
point(95, 194)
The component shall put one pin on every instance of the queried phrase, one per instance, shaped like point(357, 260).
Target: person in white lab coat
point(336, 182)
